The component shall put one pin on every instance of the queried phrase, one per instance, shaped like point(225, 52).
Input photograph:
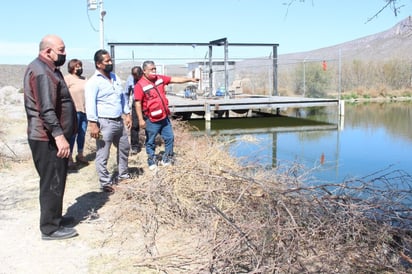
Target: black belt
point(117, 119)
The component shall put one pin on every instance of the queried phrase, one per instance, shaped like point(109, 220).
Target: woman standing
point(76, 82)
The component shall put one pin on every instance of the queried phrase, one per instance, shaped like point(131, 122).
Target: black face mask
point(61, 59)
point(108, 68)
point(79, 72)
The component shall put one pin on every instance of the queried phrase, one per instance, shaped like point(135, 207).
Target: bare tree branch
point(392, 4)
point(219, 217)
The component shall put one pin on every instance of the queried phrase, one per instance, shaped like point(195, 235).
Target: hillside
point(394, 43)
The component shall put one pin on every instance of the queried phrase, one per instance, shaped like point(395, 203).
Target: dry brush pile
point(207, 214)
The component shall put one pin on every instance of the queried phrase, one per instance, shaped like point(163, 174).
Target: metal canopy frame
point(219, 42)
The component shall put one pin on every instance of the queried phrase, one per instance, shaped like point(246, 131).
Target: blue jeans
point(81, 133)
point(164, 128)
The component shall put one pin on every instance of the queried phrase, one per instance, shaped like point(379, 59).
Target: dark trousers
point(134, 131)
point(53, 172)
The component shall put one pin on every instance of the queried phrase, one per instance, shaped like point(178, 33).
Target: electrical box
point(92, 4)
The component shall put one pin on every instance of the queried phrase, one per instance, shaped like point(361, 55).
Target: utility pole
point(92, 5)
point(102, 14)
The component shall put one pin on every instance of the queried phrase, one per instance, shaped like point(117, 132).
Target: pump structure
point(215, 43)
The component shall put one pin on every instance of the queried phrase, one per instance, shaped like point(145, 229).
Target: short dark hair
point(98, 56)
point(147, 63)
point(72, 65)
point(138, 69)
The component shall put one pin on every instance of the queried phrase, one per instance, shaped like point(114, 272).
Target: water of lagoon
point(371, 140)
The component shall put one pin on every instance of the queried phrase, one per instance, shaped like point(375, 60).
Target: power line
point(88, 17)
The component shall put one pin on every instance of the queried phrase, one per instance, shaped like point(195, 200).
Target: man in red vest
point(152, 109)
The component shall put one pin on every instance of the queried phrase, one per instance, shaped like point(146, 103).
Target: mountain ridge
point(393, 43)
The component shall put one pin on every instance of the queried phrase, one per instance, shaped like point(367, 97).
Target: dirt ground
point(22, 250)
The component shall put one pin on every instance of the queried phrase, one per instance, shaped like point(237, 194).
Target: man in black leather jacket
point(51, 119)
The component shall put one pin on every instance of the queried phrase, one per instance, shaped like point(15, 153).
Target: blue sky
point(304, 26)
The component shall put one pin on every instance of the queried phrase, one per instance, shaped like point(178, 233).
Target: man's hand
point(94, 130)
point(142, 123)
point(128, 121)
point(63, 147)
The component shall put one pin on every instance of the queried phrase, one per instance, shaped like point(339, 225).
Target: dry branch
point(208, 214)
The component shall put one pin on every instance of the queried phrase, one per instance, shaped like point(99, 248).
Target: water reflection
point(395, 118)
point(376, 137)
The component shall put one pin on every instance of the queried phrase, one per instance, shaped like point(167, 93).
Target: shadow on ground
point(87, 205)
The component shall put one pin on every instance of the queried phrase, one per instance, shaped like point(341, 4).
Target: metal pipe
point(102, 14)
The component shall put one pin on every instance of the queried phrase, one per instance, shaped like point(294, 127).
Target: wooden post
point(341, 115)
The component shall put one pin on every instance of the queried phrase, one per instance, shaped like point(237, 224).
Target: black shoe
point(136, 150)
point(65, 221)
point(60, 234)
point(107, 189)
point(72, 169)
point(81, 160)
point(72, 165)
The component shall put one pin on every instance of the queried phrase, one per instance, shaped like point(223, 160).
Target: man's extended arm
point(181, 80)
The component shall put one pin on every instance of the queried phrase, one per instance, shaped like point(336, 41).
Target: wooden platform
point(243, 102)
